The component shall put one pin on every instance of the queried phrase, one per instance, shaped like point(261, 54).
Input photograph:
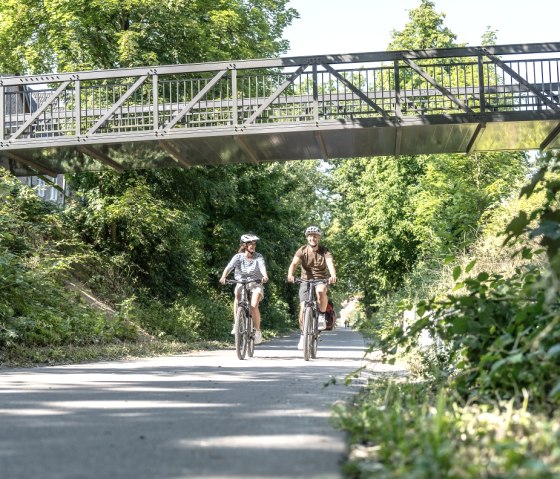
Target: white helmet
point(313, 230)
point(249, 237)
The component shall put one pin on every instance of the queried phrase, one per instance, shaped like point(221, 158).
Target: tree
point(393, 212)
point(425, 30)
point(168, 232)
point(44, 36)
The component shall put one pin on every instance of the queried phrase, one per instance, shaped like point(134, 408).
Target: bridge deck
point(459, 100)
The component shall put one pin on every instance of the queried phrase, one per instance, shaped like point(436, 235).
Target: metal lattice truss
point(331, 106)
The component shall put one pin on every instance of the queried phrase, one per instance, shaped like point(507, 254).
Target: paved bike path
point(202, 415)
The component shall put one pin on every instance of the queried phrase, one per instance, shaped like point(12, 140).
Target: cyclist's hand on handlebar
point(223, 280)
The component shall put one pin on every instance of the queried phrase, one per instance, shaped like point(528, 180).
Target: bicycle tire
point(251, 335)
point(240, 333)
point(314, 337)
point(307, 332)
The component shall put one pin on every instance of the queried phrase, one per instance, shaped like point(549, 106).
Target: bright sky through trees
point(352, 26)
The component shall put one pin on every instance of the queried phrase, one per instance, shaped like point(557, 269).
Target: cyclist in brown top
point(316, 263)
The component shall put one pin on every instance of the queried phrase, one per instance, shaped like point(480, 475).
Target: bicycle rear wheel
point(307, 333)
point(251, 335)
point(240, 333)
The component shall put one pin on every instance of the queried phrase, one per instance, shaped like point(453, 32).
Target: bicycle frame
point(310, 318)
point(244, 326)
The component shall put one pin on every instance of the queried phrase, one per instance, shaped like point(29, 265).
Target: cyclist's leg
point(300, 316)
point(257, 295)
point(322, 298)
point(302, 300)
point(236, 298)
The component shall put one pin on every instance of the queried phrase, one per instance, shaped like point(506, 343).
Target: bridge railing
point(157, 101)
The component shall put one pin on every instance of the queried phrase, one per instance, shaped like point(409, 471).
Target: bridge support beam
point(321, 144)
point(476, 135)
point(29, 163)
point(100, 156)
point(175, 154)
point(247, 149)
point(550, 138)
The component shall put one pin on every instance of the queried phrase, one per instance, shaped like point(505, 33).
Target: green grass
point(28, 357)
point(405, 430)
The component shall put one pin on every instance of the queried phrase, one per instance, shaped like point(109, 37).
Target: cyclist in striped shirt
point(248, 265)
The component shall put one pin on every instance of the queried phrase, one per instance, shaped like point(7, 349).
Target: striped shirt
point(247, 268)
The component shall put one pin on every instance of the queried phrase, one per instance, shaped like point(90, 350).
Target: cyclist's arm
point(332, 270)
point(262, 269)
point(291, 270)
point(228, 270)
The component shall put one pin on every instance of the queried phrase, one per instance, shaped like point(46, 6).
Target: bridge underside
point(333, 139)
point(458, 100)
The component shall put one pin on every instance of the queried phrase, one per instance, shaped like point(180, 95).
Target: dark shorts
point(303, 292)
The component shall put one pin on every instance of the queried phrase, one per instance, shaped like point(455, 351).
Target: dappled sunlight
point(276, 441)
point(194, 412)
point(33, 412)
point(107, 405)
point(308, 413)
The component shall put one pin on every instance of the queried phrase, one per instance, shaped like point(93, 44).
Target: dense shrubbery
point(485, 401)
point(36, 257)
point(400, 430)
point(153, 254)
point(499, 335)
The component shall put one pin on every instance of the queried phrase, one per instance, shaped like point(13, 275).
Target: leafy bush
point(409, 430)
point(36, 257)
point(502, 333)
point(189, 318)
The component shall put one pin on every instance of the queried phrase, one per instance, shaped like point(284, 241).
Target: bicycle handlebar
point(315, 281)
point(243, 281)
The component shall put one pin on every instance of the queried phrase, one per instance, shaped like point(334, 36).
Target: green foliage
point(456, 192)
point(501, 334)
point(36, 257)
point(158, 240)
point(152, 242)
point(42, 36)
point(408, 430)
point(392, 214)
point(372, 229)
point(425, 30)
point(188, 319)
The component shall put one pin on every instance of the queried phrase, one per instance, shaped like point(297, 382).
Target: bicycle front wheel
point(251, 335)
point(307, 333)
point(241, 333)
point(314, 338)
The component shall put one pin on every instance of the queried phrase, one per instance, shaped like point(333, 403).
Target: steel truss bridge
point(460, 100)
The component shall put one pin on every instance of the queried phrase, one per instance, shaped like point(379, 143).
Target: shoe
point(300, 344)
point(322, 323)
point(258, 337)
point(233, 330)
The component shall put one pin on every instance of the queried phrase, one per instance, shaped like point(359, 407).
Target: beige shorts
point(253, 287)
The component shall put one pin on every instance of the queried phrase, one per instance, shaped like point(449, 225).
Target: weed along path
point(202, 415)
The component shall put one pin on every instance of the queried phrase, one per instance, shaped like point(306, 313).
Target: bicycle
point(244, 327)
point(310, 318)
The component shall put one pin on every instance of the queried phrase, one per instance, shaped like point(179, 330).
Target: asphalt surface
point(201, 415)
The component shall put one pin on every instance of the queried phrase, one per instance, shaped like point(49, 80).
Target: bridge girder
point(462, 100)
